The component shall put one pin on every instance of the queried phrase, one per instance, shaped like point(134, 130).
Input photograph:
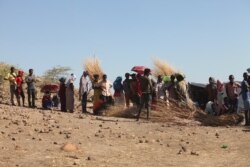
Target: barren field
point(34, 137)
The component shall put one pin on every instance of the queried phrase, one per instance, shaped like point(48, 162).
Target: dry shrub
point(93, 66)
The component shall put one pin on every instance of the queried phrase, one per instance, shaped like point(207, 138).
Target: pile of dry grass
point(162, 68)
point(176, 114)
point(93, 66)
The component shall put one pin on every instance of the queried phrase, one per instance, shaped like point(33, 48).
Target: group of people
point(17, 81)
point(137, 89)
point(224, 98)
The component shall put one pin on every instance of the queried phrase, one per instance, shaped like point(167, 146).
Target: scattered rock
point(55, 143)
point(69, 147)
point(217, 135)
point(140, 141)
point(89, 158)
point(184, 148)
point(194, 153)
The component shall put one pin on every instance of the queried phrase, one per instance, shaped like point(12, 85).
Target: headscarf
point(220, 86)
point(118, 83)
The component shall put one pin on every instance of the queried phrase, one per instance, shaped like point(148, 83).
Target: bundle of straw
point(162, 68)
point(93, 66)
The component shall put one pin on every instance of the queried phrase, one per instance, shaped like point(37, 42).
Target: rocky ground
point(35, 137)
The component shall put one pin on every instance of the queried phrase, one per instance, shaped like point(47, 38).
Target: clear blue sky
point(201, 38)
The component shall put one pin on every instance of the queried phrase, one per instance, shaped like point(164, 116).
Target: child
point(47, 101)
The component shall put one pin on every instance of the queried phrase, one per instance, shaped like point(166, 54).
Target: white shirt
point(84, 85)
point(106, 88)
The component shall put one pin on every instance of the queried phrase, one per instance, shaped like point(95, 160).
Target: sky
point(199, 38)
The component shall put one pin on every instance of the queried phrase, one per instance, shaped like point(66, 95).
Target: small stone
point(69, 147)
point(217, 135)
point(140, 141)
point(55, 143)
point(194, 153)
point(13, 139)
point(89, 158)
point(100, 125)
point(184, 148)
point(33, 138)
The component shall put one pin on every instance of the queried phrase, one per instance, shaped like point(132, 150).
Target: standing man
point(83, 91)
point(106, 93)
point(232, 93)
point(245, 91)
point(11, 77)
point(127, 91)
point(211, 89)
point(31, 80)
point(147, 88)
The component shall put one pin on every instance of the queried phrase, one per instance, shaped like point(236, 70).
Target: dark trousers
point(84, 102)
point(145, 101)
point(12, 93)
point(31, 97)
point(19, 96)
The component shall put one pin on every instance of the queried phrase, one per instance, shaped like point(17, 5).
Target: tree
point(55, 73)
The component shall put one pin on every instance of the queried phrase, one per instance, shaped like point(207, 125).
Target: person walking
point(146, 87)
point(31, 89)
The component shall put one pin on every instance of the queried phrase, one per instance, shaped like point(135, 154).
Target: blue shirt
point(245, 90)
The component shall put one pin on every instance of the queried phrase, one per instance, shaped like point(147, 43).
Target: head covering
point(62, 79)
point(20, 73)
point(118, 84)
point(212, 80)
point(248, 70)
point(220, 86)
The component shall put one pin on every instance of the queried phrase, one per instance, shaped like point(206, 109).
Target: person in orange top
point(19, 88)
point(232, 93)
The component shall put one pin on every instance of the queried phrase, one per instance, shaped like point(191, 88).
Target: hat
point(248, 70)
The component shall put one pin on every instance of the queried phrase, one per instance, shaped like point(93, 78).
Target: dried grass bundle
point(93, 66)
point(162, 68)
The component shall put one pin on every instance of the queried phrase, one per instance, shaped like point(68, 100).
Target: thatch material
point(93, 66)
point(162, 68)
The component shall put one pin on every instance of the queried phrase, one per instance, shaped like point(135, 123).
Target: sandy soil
point(34, 137)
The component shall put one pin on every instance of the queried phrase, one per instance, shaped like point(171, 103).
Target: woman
point(62, 94)
point(118, 88)
point(70, 94)
point(97, 93)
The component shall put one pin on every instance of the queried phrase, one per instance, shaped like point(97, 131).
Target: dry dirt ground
point(34, 137)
